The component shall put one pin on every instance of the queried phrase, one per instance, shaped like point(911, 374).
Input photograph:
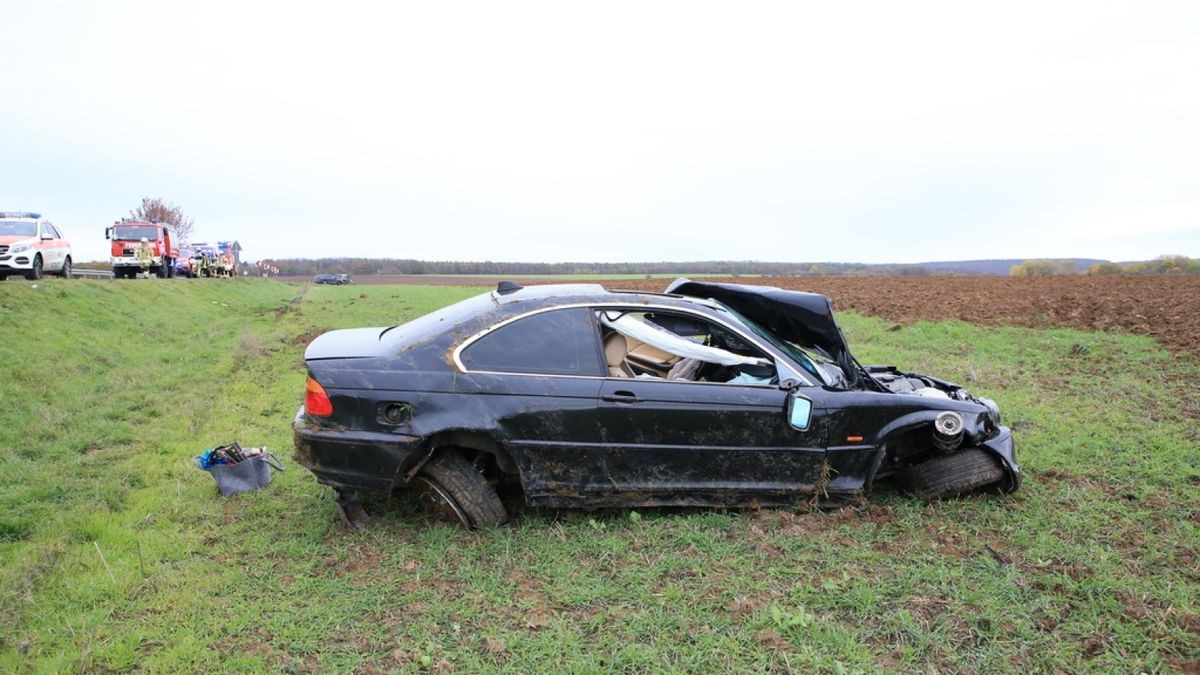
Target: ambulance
point(31, 246)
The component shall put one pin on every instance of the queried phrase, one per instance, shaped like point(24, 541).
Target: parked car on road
point(708, 395)
point(32, 246)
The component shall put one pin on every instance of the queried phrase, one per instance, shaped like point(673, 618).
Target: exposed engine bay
point(917, 385)
point(914, 384)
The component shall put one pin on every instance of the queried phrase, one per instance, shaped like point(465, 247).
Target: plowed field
point(1166, 307)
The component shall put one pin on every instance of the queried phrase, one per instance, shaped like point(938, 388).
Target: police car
point(32, 246)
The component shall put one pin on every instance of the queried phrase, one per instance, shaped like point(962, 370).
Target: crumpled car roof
point(804, 319)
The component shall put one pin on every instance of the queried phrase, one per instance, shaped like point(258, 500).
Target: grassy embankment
point(115, 552)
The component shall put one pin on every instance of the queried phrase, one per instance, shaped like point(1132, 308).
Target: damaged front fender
point(1002, 447)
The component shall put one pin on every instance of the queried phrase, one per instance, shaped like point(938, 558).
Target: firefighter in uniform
point(145, 255)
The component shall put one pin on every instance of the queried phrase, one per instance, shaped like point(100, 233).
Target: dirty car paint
point(594, 440)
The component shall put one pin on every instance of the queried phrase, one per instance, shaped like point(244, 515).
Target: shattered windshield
point(17, 228)
point(797, 354)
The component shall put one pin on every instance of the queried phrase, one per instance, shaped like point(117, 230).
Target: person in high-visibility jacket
point(198, 265)
point(145, 255)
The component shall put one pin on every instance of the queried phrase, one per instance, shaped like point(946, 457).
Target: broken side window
point(678, 347)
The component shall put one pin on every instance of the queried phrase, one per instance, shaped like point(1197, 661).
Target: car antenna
point(506, 287)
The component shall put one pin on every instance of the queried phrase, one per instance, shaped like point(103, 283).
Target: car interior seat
point(615, 348)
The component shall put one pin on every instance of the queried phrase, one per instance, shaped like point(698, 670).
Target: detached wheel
point(457, 490)
point(953, 475)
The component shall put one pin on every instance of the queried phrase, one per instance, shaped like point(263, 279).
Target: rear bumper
point(359, 461)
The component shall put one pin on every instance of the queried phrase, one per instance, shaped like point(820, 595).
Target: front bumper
point(17, 261)
point(130, 261)
point(360, 461)
point(1002, 447)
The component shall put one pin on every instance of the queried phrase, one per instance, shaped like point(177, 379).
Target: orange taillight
point(316, 401)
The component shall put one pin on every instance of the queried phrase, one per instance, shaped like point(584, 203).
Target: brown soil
point(1165, 307)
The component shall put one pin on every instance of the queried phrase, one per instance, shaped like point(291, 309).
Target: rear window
point(558, 342)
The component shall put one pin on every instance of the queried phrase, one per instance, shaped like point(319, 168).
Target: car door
point(680, 441)
point(49, 245)
point(704, 442)
point(62, 245)
point(532, 383)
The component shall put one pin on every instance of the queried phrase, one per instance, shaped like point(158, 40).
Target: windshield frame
point(154, 229)
point(794, 352)
point(32, 225)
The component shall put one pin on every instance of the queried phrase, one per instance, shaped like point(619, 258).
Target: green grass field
point(116, 553)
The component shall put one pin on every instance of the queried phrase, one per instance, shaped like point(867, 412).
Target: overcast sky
point(610, 131)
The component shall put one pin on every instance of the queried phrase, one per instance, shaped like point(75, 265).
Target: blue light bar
point(20, 214)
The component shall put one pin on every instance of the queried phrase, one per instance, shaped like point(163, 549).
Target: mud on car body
point(707, 395)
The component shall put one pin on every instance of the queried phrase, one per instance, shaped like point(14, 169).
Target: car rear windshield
point(17, 228)
point(135, 232)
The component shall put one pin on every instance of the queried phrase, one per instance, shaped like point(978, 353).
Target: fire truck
point(127, 235)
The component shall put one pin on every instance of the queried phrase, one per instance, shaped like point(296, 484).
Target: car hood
point(804, 319)
point(14, 239)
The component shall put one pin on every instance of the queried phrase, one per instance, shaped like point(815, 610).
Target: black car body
point(531, 384)
point(334, 279)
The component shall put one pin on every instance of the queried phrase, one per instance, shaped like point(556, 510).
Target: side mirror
point(108, 233)
point(47, 237)
point(799, 412)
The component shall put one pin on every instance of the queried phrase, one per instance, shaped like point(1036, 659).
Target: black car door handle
point(620, 397)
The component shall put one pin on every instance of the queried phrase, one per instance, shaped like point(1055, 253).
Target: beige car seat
point(615, 349)
point(650, 357)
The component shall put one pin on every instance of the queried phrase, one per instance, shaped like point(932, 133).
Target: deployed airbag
point(669, 342)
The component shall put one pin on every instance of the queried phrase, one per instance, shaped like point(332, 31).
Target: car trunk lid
point(351, 343)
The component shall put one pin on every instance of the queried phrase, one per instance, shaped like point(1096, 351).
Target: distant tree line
point(1164, 264)
point(1167, 264)
point(1044, 267)
point(368, 266)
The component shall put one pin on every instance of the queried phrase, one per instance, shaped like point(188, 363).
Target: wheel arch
point(892, 437)
point(459, 439)
point(999, 446)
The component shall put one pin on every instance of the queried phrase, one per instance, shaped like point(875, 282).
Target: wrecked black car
point(710, 394)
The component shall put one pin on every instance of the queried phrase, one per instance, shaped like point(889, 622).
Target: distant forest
point(369, 266)
point(364, 266)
